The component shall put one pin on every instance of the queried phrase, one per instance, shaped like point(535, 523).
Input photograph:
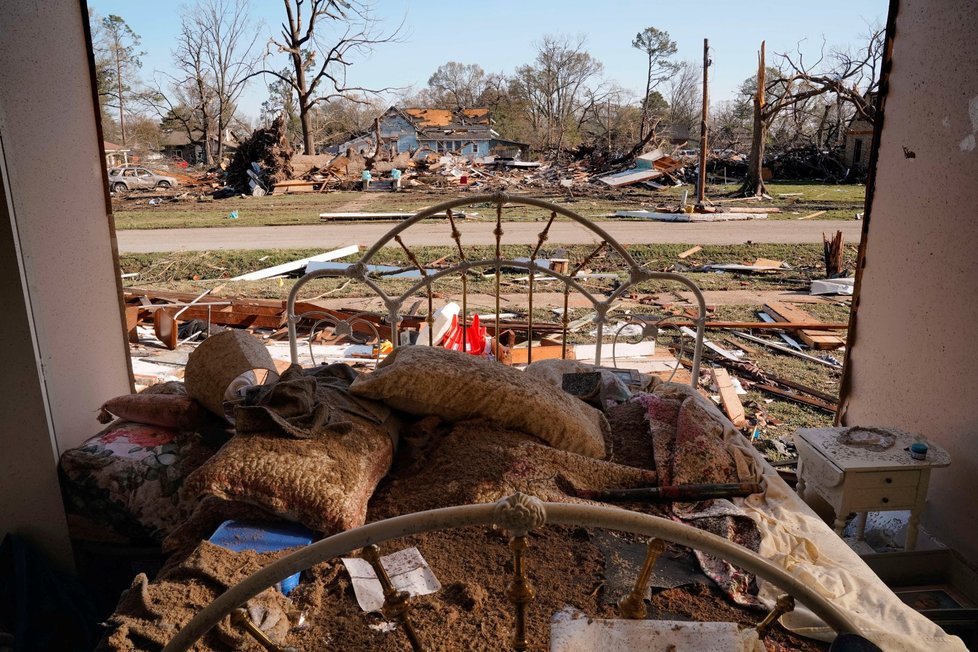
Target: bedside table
point(860, 478)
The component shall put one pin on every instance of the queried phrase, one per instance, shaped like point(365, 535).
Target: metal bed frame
point(632, 275)
point(518, 514)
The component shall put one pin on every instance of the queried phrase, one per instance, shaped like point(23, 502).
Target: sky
point(499, 35)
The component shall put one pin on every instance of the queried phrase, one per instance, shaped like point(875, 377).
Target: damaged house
point(464, 132)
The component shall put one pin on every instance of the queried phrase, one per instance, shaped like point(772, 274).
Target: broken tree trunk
point(754, 181)
point(834, 263)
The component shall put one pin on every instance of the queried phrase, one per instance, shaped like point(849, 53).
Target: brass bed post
point(457, 237)
point(498, 231)
point(573, 273)
point(424, 275)
point(533, 256)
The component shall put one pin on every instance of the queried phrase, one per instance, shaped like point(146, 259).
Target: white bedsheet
point(795, 538)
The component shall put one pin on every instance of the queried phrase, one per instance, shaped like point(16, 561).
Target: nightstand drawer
point(878, 498)
point(818, 471)
point(882, 479)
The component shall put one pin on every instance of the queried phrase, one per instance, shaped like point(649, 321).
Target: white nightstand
point(853, 478)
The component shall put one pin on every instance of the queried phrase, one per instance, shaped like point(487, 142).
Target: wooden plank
point(797, 397)
point(132, 318)
point(784, 312)
point(785, 349)
point(750, 325)
point(520, 354)
point(728, 397)
point(810, 216)
point(166, 328)
point(691, 251)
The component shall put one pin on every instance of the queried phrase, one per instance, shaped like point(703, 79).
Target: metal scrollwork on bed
point(631, 275)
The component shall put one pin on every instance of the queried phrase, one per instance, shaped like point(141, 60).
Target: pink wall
point(913, 361)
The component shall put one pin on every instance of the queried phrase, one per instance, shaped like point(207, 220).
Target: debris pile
point(262, 160)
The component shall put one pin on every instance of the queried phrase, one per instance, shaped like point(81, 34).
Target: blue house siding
point(393, 125)
point(465, 136)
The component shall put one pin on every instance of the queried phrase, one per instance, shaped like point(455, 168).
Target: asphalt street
point(437, 232)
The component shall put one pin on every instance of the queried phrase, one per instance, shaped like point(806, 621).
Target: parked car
point(131, 177)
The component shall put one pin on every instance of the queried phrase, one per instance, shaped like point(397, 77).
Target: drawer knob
point(888, 480)
point(886, 500)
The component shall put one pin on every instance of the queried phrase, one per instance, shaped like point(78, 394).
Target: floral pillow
point(128, 477)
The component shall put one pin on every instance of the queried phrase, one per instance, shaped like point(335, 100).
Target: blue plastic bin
point(239, 536)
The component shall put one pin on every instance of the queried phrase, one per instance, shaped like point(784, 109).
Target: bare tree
point(190, 103)
point(318, 63)
point(853, 77)
point(117, 64)
point(775, 91)
point(684, 95)
point(658, 47)
point(554, 85)
point(230, 53)
point(460, 84)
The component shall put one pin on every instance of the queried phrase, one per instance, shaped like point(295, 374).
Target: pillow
point(456, 386)
point(323, 482)
point(128, 478)
point(155, 409)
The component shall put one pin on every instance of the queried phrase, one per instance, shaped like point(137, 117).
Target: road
point(331, 236)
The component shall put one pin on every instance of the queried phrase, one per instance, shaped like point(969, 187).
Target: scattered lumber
point(790, 341)
point(689, 332)
point(759, 265)
point(241, 313)
point(810, 216)
point(691, 251)
point(753, 209)
point(732, 406)
point(750, 325)
point(763, 381)
point(783, 312)
point(785, 349)
point(797, 397)
point(293, 186)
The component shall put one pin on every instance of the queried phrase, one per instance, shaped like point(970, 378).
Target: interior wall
point(28, 471)
point(62, 334)
point(913, 358)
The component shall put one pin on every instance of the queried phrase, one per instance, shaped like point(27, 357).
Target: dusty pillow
point(164, 410)
point(126, 480)
point(323, 483)
point(455, 386)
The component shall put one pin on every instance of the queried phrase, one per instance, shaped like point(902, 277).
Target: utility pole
point(701, 181)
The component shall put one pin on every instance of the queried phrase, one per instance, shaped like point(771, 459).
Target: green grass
point(133, 211)
point(805, 259)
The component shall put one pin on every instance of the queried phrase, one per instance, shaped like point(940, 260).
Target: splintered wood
point(732, 406)
point(816, 339)
point(834, 261)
